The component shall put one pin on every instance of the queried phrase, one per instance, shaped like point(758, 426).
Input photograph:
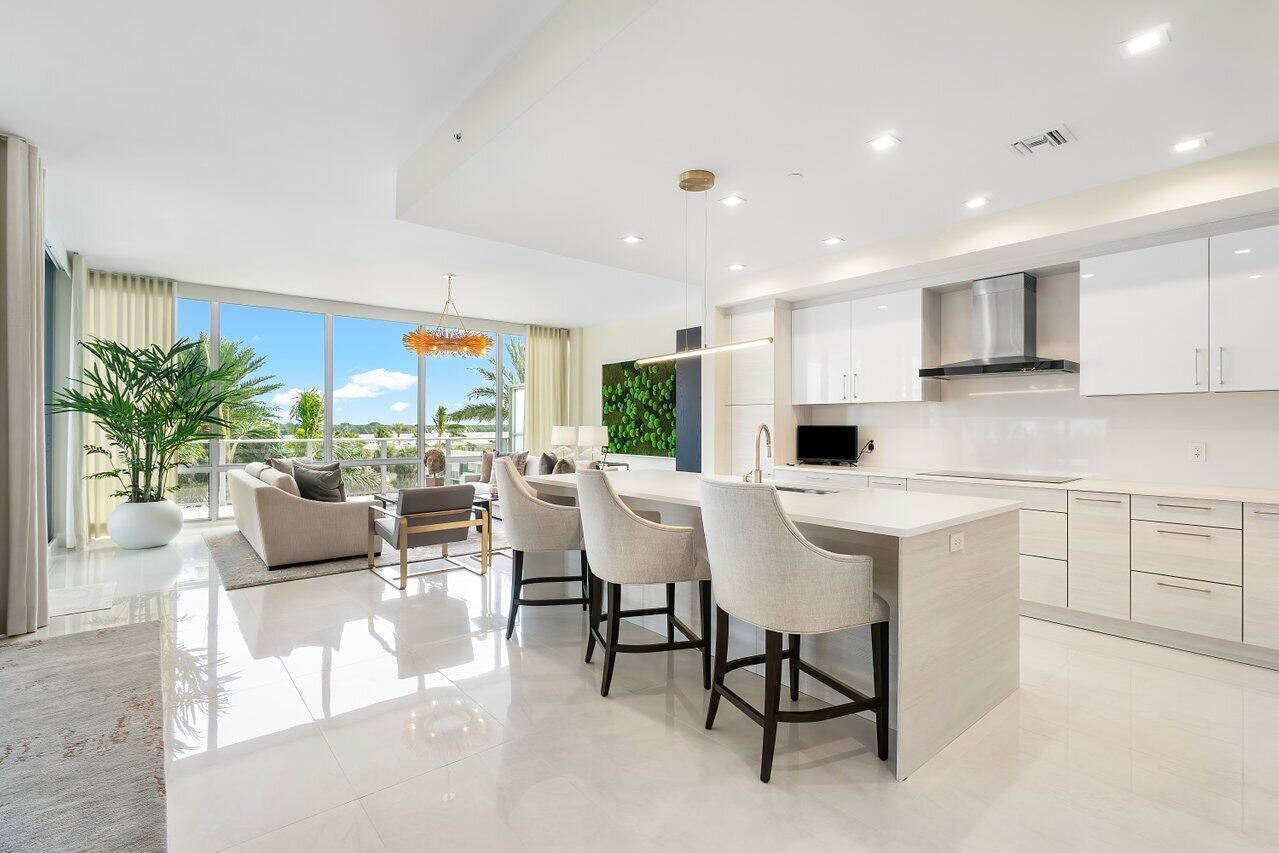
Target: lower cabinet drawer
point(1196, 607)
point(1043, 581)
point(895, 483)
point(1188, 551)
point(1043, 534)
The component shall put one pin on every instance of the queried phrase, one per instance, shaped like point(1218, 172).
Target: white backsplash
point(1042, 425)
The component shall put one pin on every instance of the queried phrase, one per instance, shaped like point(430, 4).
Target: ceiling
point(755, 90)
point(255, 145)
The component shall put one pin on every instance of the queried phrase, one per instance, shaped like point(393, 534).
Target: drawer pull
point(1185, 506)
point(1179, 586)
point(1101, 500)
point(1184, 533)
point(1264, 512)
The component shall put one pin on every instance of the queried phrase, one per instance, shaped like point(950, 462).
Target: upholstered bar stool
point(532, 524)
point(777, 580)
point(628, 549)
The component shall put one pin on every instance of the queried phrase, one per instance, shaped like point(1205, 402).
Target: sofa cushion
point(320, 466)
point(547, 463)
point(564, 466)
point(280, 480)
point(255, 469)
point(284, 466)
point(315, 484)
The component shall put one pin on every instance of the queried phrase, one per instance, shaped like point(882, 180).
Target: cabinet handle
point(854, 385)
point(1185, 506)
point(1100, 500)
point(1183, 533)
point(1263, 512)
point(1197, 382)
point(1221, 365)
point(1179, 586)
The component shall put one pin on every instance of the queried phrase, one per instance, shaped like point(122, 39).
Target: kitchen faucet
point(757, 474)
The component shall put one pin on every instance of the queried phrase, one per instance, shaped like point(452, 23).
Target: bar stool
point(777, 580)
point(532, 524)
point(629, 549)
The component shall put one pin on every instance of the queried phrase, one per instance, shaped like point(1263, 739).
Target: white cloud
point(399, 407)
point(287, 398)
point(375, 383)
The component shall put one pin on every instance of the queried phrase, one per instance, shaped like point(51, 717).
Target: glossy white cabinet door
point(821, 345)
point(887, 347)
point(1143, 321)
point(1245, 303)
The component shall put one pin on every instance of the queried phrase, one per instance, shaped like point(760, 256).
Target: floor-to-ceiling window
point(334, 387)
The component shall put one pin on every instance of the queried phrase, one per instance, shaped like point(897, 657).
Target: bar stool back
point(628, 549)
point(777, 580)
point(531, 525)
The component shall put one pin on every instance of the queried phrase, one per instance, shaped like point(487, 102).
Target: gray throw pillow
point(315, 484)
point(321, 466)
point(548, 463)
point(564, 466)
point(284, 466)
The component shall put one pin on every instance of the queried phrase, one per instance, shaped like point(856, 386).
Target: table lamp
point(564, 438)
point(593, 438)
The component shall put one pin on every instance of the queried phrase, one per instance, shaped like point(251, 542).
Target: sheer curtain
point(136, 310)
point(547, 382)
point(24, 547)
point(77, 532)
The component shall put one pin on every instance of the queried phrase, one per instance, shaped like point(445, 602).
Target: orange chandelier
point(446, 340)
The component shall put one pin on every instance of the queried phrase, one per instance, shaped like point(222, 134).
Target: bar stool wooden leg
point(704, 600)
point(772, 699)
point(721, 662)
point(517, 581)
point(879, 652)
point(614, 631)
point(593, 616)
point(670, 613)
point(586, 582)
point(794, 667)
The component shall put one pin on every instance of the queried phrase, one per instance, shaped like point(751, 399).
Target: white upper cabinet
point(821, 347)
point(1245, 303)
point(1143, 321)
point(888, 344)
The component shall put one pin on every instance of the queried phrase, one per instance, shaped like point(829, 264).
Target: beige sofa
point(285, 528)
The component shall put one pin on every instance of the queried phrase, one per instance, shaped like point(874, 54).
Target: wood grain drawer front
point(1186, 551)
point(1097, 553)
point(1043, 581)
point(1196, 607)
point(1188, 511)
point(1261, 575)
point(1043, 534)
point(1049, 500)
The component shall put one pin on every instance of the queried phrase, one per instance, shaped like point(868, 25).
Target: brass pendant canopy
point(696, 180)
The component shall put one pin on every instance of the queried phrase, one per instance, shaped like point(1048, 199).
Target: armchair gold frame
point(405, 527)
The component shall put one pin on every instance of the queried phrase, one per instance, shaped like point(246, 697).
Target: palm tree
point(308, 414)
point(480, 408)
point(246, 414)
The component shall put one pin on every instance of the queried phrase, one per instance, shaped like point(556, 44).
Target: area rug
point(240, 566)
point(64, 601)
point(82, 742)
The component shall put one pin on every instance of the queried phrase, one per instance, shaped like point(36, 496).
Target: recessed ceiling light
point(1088, 275)
point(979, 201)
point(882, 307)
point(1148, 40)
point(1190, 144)
point(732, 200)
point(1258, 275)
point(799, 176)
point(833, 241)
point(632, 238)
point(737, 267)
point(884, 141)
point(1242, 251)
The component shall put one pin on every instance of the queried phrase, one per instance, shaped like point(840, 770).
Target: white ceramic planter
point(145, 525)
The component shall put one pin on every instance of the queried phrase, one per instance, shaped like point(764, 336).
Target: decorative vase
point(145, 525)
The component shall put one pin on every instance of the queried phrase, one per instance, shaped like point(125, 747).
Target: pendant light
point(445, 339)
point(700, 181)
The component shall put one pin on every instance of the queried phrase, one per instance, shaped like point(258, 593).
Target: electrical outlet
point(1198, 451)
point(956, 542)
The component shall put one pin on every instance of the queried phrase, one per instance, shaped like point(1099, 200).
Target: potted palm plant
point(150, 402)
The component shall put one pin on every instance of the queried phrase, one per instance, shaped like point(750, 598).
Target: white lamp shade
point(592, 436)
point(563, 436)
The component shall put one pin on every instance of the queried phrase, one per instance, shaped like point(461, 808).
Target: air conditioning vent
point(1041, 142)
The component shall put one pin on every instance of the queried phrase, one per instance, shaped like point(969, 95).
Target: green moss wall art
point(639, 408)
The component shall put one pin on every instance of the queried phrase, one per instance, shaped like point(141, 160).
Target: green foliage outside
point(639, 408)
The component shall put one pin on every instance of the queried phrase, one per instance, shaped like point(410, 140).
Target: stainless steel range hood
point(1003, 332)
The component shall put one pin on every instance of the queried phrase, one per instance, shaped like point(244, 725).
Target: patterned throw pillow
point(519, 458)
point(564, 466)
point(486, 467)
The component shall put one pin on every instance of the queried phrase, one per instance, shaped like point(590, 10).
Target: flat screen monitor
point(826, 444)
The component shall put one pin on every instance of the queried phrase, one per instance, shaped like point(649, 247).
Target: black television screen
point(826, 443)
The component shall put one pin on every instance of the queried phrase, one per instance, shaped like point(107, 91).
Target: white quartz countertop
point(899, 514)
point(1087, 484)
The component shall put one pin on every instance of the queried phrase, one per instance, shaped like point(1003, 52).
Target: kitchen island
point(946, 564)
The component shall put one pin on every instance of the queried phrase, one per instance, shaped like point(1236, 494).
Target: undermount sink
point(807, 490)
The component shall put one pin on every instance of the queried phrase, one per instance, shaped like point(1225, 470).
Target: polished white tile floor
point(341, 714)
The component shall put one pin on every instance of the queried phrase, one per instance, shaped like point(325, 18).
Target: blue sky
point(374, 378)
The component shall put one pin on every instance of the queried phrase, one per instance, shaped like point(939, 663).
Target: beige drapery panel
point(77, 532)
point(136, 310)
point(24, 549)
point(547, 383)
